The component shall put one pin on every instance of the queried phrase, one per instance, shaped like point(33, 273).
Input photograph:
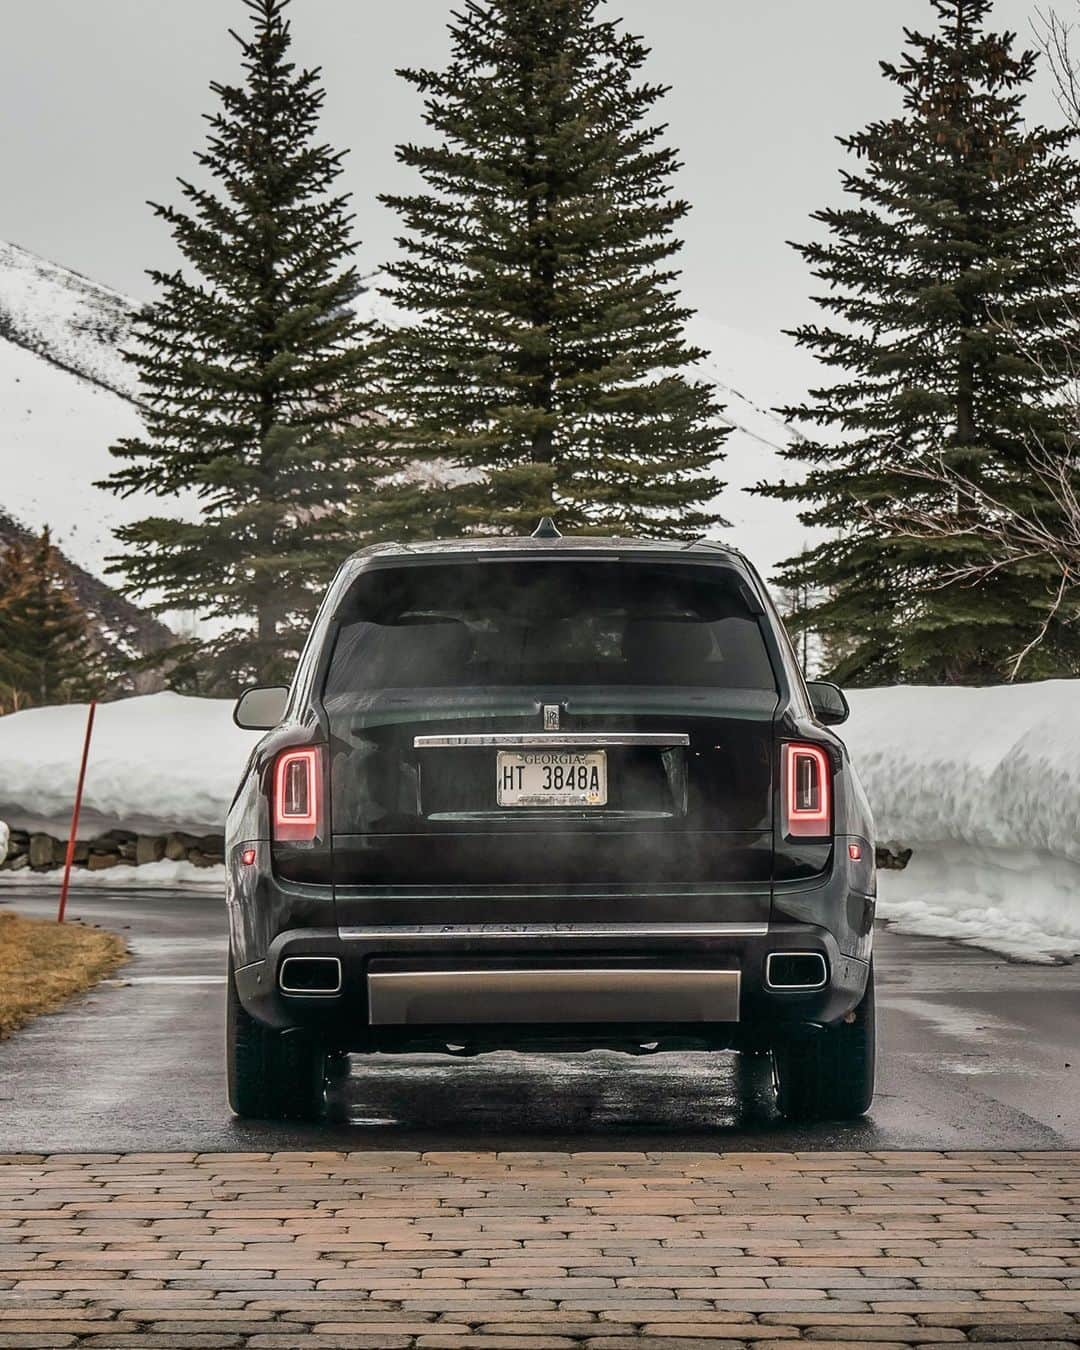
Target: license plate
point(551, 778)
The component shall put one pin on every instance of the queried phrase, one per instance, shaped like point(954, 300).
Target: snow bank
point(1022, 904)
point(164, 875)
point(996, 767)
point(161, 761)
point(984, 785)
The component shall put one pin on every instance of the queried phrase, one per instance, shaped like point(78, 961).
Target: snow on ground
point(156, 875)
point(997, 768)
point(1026, 905)
point(984, 785)
point(161, 762)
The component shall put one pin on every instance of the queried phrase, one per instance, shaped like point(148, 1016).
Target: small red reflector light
point(807, 792)
point(854, 852)
point(297, 794)
point(247, 857)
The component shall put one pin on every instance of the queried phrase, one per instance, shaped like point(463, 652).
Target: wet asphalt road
point(975, 1052)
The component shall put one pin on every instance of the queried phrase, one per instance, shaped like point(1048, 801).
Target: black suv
point(554, 793)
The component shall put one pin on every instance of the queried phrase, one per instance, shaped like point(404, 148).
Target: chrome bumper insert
point(467, 997)
point(451, 932)
point(554, 740)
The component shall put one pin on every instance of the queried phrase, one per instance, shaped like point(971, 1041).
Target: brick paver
point(539, 1251)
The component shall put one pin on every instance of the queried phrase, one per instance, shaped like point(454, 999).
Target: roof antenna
point(547, 529)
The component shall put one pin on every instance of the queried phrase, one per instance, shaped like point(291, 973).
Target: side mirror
point(828, 702)
point(260, 709)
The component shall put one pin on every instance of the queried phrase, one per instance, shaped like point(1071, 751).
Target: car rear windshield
point(501, 623)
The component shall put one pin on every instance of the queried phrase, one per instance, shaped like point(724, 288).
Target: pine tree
point(253, 375)
point(545, 362)
point(45, 652)
point(951, 289)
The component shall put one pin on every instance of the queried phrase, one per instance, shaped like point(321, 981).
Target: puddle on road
point(953, 1021)
point(539, 1093)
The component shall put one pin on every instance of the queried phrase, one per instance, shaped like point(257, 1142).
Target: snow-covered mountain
point(66, 396)
point(69, 320)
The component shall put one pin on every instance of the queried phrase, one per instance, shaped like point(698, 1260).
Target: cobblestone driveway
point(538, 1250)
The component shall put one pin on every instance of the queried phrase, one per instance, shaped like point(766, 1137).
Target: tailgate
point(478, 798)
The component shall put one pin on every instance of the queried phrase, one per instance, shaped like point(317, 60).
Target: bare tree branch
point(1050, 617)
point(1056, 38)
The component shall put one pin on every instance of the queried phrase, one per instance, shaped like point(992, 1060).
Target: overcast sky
point(102, 104)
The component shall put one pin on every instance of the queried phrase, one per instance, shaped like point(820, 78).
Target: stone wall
point(889, 861)
point(43, 852)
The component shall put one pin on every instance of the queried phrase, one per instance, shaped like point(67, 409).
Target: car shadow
point(685, 1099)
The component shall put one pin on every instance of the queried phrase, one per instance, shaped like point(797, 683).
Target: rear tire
point(830, 1075)
point(271, 1075)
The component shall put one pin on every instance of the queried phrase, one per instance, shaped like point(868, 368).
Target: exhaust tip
point(310, 975)
point(796, 970)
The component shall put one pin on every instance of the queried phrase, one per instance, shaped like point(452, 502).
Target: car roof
point(603, 546)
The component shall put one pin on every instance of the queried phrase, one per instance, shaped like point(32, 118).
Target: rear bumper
point(492, 984)
point(548, 995)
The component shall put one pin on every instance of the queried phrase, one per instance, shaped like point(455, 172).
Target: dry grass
point(42, 964)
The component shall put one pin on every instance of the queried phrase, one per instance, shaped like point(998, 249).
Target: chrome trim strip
point(796, 988)
point(568, 740)
point(559, 813)
point(455, 932)
point(309, 993)
point(486, 997)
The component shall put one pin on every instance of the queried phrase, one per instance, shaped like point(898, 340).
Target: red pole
point(70, 856)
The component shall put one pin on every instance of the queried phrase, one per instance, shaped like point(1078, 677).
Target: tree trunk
point(539, 211)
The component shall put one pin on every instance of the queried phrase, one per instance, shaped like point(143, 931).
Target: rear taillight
point(297, 812)
point(807, 792)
